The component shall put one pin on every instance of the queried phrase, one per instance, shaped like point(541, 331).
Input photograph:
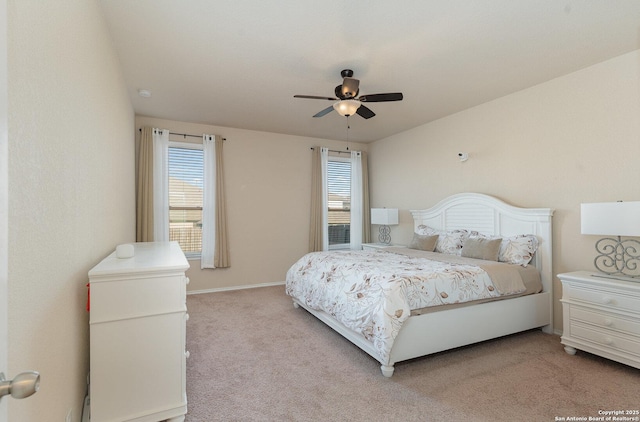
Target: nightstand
point(601, 316)
point(373, 246)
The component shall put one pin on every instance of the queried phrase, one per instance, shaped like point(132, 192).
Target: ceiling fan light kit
point(347, 101)
point(347, 108)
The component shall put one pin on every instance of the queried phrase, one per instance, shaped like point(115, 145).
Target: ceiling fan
point(347, 101)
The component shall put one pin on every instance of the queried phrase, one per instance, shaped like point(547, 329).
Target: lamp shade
point(347, 107)
point(611, 218)
point(384, 216)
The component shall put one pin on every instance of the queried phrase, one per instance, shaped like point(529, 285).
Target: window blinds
point(186, 173)
point(339, 200)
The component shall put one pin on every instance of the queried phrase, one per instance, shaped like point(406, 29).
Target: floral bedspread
point(374, 292)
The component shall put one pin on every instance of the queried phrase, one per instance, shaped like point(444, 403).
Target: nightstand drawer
point(606, 321)
point(604, 298)
point(606, 339)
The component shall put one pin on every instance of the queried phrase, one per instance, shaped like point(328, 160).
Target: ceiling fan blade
point(350, 87)
point(313, 97)
point(323, 112)
point(379, 98)
point(365, 112)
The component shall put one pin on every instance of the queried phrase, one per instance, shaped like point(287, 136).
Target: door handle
point(22, 386)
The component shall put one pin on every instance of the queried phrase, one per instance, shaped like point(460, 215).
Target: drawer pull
point(187, 354)
point(186, 317)
point(186, 280)
point(608, 322)
point(607, 300)
point(608, 341)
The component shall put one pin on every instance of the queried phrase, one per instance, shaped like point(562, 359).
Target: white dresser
point(601, 316)
point(137, 322)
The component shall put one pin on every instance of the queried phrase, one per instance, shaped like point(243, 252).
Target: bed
point(433, 329)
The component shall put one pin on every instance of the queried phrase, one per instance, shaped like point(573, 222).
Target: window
point(186, 175)
point(339, 201)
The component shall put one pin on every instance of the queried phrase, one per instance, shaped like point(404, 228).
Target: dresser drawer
point(146, 355)
point(610, 299)
point(116, 299)
point(605, 339)
point(605, 320)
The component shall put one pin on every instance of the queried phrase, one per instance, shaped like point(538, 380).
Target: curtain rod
point(185, 135)
point(339, 152)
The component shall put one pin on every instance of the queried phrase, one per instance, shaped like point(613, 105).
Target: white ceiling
point(239, 63)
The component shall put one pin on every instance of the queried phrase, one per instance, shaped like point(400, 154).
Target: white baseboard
point(226, 289)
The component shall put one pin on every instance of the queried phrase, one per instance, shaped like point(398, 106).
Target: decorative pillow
point(448, 241)
point(481, 248)
point(518, 249)
point(423, 242)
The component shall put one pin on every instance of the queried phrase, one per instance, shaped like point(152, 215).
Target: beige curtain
point(315, 229)
point(144, 200)
point(221, 254)
point(366, 209)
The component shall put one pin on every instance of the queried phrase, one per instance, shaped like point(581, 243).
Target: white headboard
point(489, 215)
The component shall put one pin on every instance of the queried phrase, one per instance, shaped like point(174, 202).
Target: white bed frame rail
point(433, 332)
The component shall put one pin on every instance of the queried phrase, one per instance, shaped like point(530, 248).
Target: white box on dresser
point(601, 316)
point(137, 323)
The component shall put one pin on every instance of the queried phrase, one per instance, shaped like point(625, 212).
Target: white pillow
point(448, 241)
point(514, 249)
point(518, 249)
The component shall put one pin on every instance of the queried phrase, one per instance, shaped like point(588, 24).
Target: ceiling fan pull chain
point(348, 127)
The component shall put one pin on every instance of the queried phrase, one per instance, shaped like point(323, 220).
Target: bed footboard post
point(387, 370)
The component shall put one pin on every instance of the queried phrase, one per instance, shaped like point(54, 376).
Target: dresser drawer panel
point(606, 321)
point(137, 368)
point(605, 339)
point(135, 297)
point(602, 298)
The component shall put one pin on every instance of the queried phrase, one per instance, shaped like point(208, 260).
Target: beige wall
point(570, 140)
point(71, 192)
point(267, 182)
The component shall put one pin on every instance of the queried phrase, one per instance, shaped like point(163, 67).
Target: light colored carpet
point(256, 358)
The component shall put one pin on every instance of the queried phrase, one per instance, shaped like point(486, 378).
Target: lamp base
point(618, 258)
point(384, 235)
